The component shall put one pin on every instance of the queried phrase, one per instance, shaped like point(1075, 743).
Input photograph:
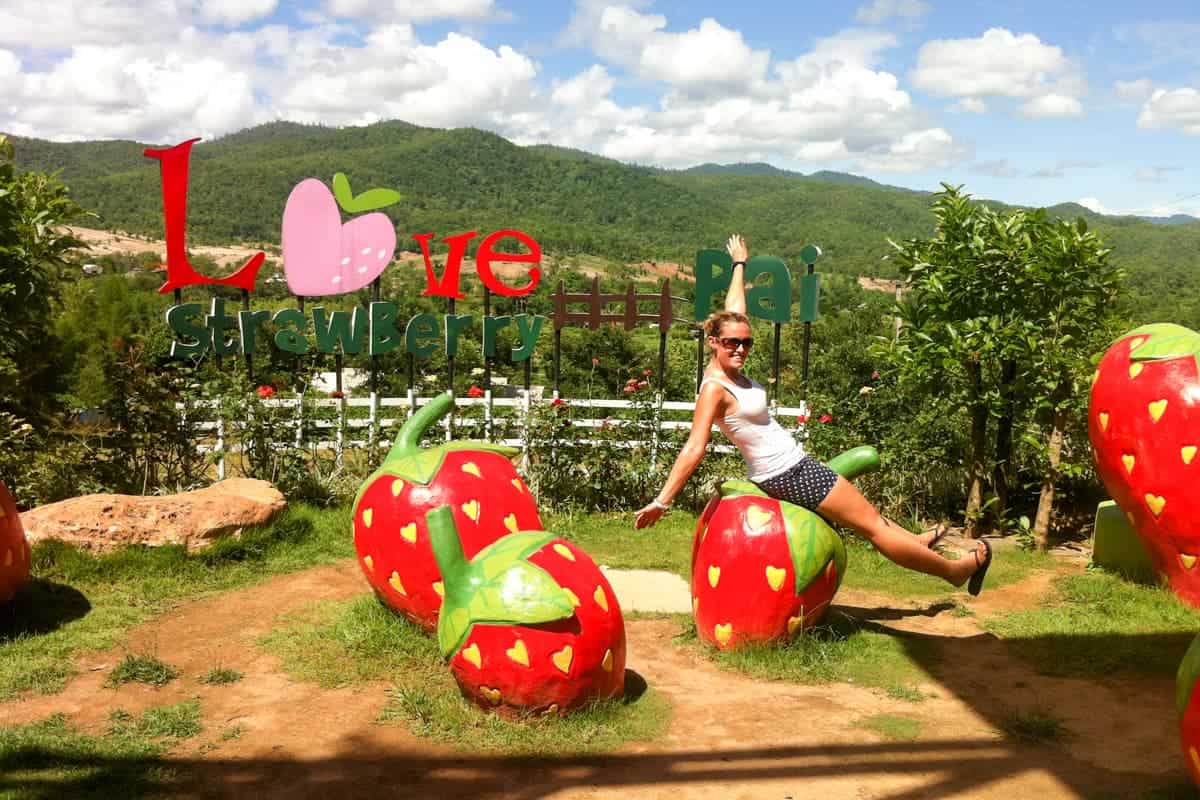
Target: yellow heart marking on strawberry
point(794, 624)
point(492, 695)
point(758, 517)
point(518, 653)
point(471, 656)
point(607, 663)
point(1188, 561)
point(1157, 409)
point(510, 522)
point(1188, 453)
point(574, 598)
point(367, 515)
point(439, 589)
point(1156, 503)
point(369, 563)
point(714, 575)
point(1134, 344)
point(1136, 369)
point(409, 533)
point(395, 583)
point(517, 483)
point(775, 577)
point(600, 597)
point(471, 509)
point(471, 469)
point(562, 659)
point(1128, 461)
point(397, 487)
point(564, 551)
point(722, 633)
point(1102, 418)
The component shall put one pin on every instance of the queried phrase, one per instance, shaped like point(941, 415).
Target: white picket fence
point(350, 430)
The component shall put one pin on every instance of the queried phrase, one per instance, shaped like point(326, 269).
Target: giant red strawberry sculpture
point(530, 624)
point(14, 548)
point(475, 479)
point(1187, 703)
point(1144, 423)
point(762, 569)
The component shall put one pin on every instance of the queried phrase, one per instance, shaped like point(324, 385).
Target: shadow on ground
point(41, 607)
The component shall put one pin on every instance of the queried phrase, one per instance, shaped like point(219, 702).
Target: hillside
point(573, 202)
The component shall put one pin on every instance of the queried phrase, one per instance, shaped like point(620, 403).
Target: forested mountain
point(572, 202)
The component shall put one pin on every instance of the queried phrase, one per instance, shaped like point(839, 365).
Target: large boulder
point(100, 523)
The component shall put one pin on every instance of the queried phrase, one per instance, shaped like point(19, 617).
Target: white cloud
point(412, 10)
point(878, 11)
point(1051, 105)
point(1156, 173)
point(1137, 91)
point(1002, 64)
point(1172, 108)
point(999, 168)
point(1162, 209)
point(1060, 168)
point(28, 23)
point(236, 12)
point(970, 105)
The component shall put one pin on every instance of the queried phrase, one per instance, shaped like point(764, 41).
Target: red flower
point(826, 418)
point(558, 401)
point(474, 391)
point(337, 395)
point(875, 375)
point(266, 392)
point(595, 362)
point(643, 384)
point(647, 372)
point(630, 388)
point(801, 419)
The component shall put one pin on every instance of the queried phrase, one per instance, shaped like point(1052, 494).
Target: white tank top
point(767, 448)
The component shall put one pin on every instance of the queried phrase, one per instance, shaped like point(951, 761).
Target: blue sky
point(1027, 102)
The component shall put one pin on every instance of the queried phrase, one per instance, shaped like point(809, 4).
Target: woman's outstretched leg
point(846, 506)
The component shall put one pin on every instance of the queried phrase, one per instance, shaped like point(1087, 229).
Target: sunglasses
point(731, 343)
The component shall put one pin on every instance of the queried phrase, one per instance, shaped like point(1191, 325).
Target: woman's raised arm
point(735, 299)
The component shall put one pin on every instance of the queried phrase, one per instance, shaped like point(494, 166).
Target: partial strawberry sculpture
point(763, 569)
point(1144, 423)
point(1187, 704)
point(476, 480)
point(530, 624)
point(15, 555)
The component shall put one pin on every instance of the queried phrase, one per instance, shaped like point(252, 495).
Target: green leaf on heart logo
point(370, 200)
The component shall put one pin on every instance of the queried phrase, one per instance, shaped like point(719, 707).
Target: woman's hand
point(648, 515)
point(736, 247)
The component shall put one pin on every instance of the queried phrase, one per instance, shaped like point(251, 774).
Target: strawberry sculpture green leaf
point(528, 624)
point(1187, 703)
point(1144, 424)
point(762, 569)
point(15, 554)
point(475, 479)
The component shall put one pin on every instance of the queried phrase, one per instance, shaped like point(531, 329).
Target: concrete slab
point(650, 590)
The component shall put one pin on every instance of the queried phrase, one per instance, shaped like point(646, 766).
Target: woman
point(777, 463)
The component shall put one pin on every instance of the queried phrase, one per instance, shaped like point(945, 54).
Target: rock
point(100, 523)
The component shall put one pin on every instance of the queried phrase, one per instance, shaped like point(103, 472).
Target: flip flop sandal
point(975, 585)
point(942, 530)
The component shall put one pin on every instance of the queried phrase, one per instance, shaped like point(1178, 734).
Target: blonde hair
point(712, 326)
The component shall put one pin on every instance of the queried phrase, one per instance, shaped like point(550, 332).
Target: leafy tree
point(33, 248)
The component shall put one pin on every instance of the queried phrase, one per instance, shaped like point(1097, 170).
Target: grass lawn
point(360, 641)
point(79, 602)
point(1097, 624)
point(867, 569)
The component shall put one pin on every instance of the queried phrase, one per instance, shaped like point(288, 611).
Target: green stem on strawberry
point(497, 587)
point(855, 462)
point(408, 440)
point(1163, 340)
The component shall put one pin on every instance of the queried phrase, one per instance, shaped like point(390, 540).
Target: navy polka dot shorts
point(807, 484)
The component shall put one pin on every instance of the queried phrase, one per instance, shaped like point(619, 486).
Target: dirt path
point(730, 737)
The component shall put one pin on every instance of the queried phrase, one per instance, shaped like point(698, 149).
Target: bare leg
point(846, 506)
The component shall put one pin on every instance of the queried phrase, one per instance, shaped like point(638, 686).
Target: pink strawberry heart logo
point(321, 256)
